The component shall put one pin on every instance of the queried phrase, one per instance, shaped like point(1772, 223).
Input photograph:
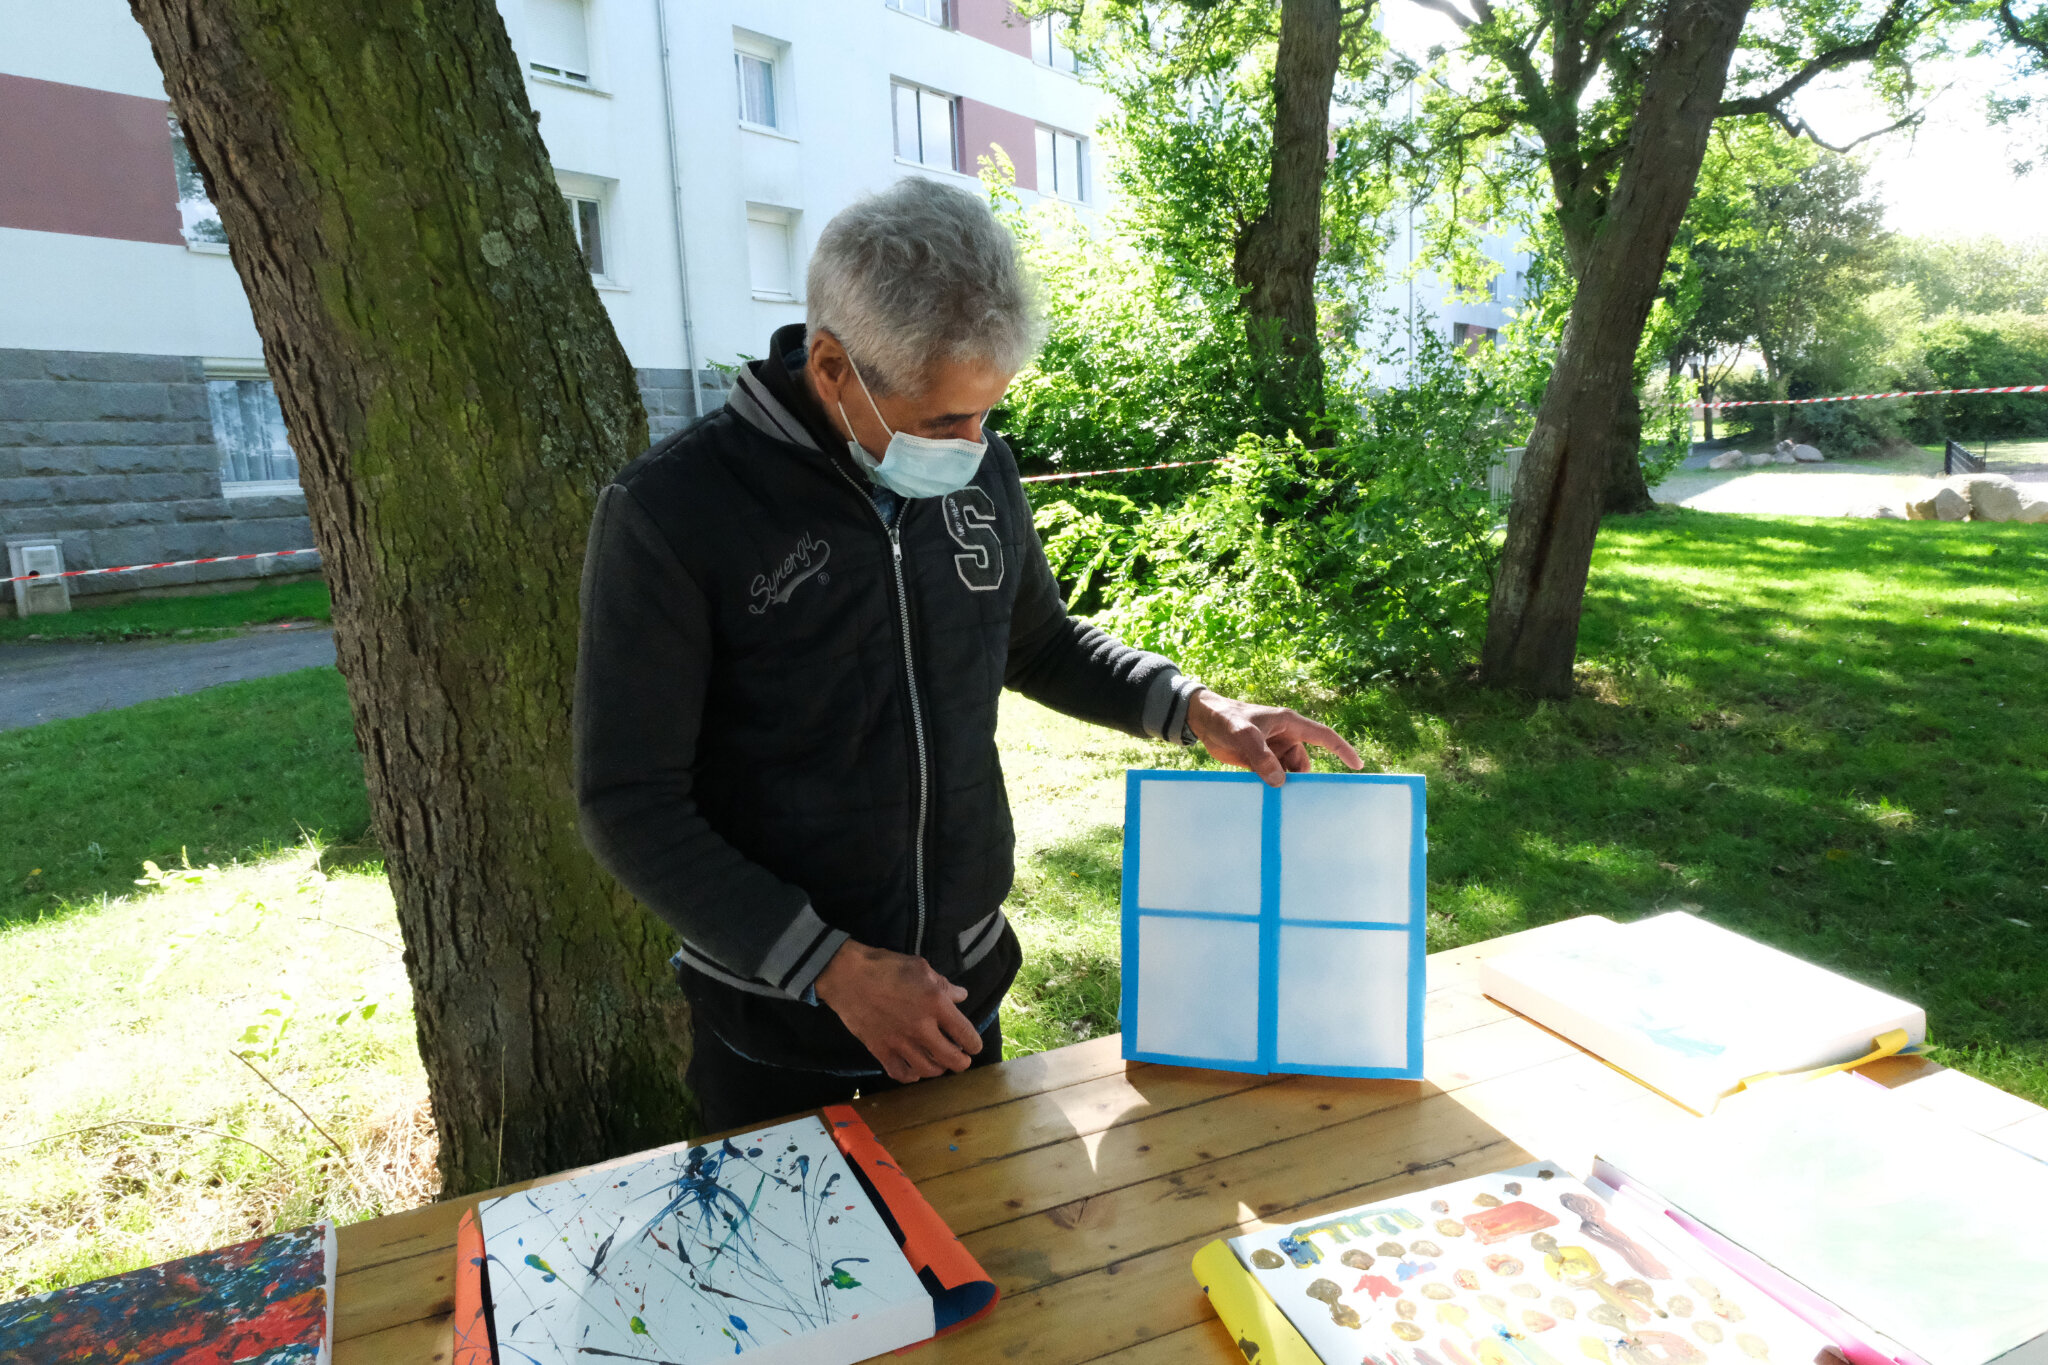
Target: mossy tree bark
point(1277, 253)
point(1532, 627)
point(456, 397)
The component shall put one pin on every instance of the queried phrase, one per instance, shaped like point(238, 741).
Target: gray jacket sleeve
point(1082, 671)
point(643, 659)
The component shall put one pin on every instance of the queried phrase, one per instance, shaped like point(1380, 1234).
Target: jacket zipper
point(895, 535)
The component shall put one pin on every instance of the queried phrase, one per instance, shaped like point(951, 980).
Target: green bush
point(1984, 350)
point(1306, 571)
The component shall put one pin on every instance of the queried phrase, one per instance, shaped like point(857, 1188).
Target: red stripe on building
point(983, 126)
point(88, 162)
point(993, 21)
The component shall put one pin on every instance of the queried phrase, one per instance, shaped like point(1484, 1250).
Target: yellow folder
point(1262, 1332)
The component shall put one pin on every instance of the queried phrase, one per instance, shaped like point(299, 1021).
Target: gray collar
point(757, 407)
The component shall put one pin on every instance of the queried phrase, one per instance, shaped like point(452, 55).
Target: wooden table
point(1085, 1183)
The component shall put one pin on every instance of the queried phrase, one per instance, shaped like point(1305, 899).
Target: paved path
point(43, 682)
point(1814, 490)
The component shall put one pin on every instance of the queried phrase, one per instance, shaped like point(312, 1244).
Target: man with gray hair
point(798, 616)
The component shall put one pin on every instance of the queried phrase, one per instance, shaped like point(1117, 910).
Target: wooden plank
point(423, 1342)
point(2028, 1135)
point(1043, 1177)
point(967, 1139)
point(1132, 1301)
point(1205, 1343)
point(419, 1243)
point(1954, 1095)
point(929, 1101)
point(1217, 1197)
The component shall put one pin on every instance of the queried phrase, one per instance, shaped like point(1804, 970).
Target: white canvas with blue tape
point(1274, 928)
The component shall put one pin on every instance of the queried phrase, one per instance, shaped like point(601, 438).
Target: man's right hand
point(902, 1011)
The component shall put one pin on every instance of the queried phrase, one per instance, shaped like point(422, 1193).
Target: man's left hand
point(1270, 740)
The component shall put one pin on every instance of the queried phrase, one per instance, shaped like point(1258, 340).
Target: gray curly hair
point(918, 272)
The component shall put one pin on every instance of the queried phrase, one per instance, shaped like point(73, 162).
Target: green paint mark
point(542, 1266)
point(639, 1327)
point(841, 1280)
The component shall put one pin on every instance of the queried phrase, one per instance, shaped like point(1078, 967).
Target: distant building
point(137, 421)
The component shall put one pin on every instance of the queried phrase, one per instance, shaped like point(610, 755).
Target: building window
point(559, 33)
point(927, 127)
point(248, 428)
point(1050, 36)
point(587, 215)
point(757, 89)
point(1470, 336)
point(771, 252)
point(1062, 165)
point(938, 12)
point(198, 218)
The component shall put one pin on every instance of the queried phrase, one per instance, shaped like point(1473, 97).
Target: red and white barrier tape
point(1854, 397)
point(167, 564)
point(1129, 469)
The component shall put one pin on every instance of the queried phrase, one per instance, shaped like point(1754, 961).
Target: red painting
point(1509, 1220)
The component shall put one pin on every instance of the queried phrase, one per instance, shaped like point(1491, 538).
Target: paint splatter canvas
point(1274, 929)
point(765, 1247)
point(1523, 1267)
point(264, 1302)
point(1689, 1007)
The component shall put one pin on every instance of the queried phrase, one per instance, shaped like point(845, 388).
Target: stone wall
point(113, 456)
point(666, 394)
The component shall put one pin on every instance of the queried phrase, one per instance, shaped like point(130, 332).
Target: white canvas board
point(1199, 846)
point(1198, 988)
point(764, 1247)
point(1925, 1231)
point(1274, 928)
point(1343, 998)
point(1522, 1267)
point(1692, 1008)
point(1345, 851)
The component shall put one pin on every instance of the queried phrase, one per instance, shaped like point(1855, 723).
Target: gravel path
point(45, 682)
point(1820, 490)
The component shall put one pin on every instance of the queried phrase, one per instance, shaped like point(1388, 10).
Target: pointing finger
point(1303, 730)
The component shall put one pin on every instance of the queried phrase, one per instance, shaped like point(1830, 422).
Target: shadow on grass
point(227, 774)
point(1830, 736)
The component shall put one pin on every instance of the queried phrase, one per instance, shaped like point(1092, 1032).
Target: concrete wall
point(113, 456)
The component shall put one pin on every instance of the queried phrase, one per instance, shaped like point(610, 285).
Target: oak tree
point(456, 397)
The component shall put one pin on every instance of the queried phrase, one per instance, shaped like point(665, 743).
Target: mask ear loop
point(870, 397)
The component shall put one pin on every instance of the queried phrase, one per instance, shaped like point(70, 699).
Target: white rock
point(1808, 455)
point(1886, 512)
point(1950, 505)
point(1760, 459)
point(1993, 497)
point(2033, 505)
point(1786, 457)
point(1728, 459)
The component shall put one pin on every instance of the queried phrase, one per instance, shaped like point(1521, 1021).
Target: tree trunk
point(1532, 627)
point(1277, 254)
point(456, 397)
point(1626, 492)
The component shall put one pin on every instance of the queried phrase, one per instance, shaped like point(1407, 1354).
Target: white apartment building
point(700, 144)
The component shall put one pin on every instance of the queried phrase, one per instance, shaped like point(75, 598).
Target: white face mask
point(915, 466)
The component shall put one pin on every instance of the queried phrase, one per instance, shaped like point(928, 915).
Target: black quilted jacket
point(786, 710)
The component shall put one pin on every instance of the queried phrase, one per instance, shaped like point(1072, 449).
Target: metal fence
point(1956, 459)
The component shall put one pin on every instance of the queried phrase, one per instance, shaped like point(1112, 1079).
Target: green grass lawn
point(1832, 735)
point(202, 615)
point(220, 775)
